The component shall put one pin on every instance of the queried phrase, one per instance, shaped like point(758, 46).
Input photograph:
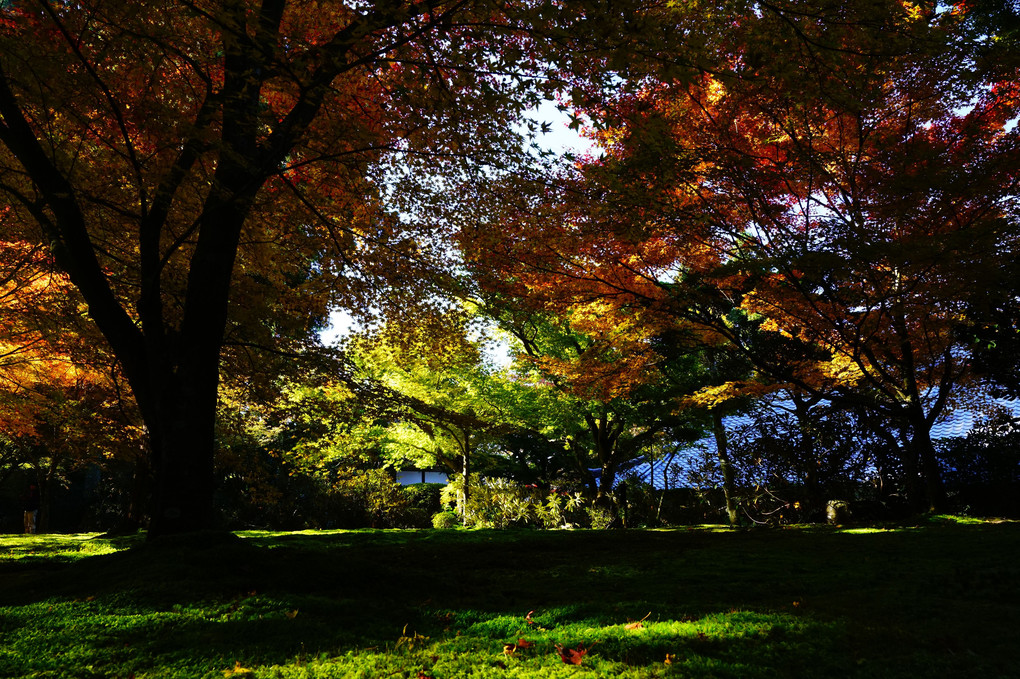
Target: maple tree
point(209, 171)
point(442, 397)
point(63, 403)
point(605, 397)
point(61, 412)
point(841, 175)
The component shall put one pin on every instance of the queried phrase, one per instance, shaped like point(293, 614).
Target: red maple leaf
point(572, 656)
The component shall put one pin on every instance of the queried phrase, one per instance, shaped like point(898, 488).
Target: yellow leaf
point(238, 671)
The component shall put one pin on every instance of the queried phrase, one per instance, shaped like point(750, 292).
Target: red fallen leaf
point(510, 649)
point(572, 656)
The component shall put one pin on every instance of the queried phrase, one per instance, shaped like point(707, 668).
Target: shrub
point(445, 520)
point(499, 503)
point(837, 512)
point(361, 498)
point(600, 517)
point(425, 496)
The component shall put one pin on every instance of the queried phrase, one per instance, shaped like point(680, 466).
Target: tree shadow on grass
point(731, 605)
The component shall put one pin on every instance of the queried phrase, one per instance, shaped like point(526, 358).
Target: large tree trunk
point(183, 450)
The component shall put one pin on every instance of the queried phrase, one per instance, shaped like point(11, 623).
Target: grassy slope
point(942, 600)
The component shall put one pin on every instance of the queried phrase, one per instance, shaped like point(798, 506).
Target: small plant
point(601, 517)
point(499, 503)
point(445, 520)
point(837, 512)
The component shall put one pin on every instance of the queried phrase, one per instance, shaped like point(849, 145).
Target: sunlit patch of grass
point(723, 645)
point(52, 547)
point(955, 519)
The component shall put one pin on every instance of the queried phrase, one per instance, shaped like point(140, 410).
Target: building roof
point(954, 424)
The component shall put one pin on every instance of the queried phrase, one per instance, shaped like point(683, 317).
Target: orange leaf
point(636, 624)
point(572, 656)
point(510, 649)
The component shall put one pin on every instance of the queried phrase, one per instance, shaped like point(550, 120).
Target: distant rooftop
point(957, 423)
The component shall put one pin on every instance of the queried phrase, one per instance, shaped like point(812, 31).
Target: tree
point(442, 397)
point(840, 173)
point(185, 160)
point(609, 396)
point(59, 415)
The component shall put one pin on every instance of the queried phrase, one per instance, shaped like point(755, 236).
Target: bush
point(425, 496)
point(499, 503)
point(445, 520)
point(600, 517)
point(837, 512)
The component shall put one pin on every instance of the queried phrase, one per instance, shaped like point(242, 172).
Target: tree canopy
point(809, 196)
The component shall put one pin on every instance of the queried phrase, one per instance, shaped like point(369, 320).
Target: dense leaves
point(808, 198)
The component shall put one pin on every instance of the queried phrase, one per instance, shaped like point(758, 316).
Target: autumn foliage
point(841, 178)
point(803, 196)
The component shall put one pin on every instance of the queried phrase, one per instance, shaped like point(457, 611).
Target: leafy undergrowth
point(932, 600)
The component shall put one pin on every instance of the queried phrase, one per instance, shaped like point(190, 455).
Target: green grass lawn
point(939, 600)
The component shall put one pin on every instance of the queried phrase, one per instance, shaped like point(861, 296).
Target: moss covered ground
point(939, 599)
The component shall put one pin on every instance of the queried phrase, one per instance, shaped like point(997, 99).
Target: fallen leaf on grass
point(532, 623)
point(636, 624)
point(572, 656)
point(238, 671)
point(510, 649)
point(291, 614)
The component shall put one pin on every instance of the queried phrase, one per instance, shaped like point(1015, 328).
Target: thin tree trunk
point(729, 485)
point(934, 498)
point(466, 474)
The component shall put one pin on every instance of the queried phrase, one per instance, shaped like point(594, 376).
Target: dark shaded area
point(863, 599)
